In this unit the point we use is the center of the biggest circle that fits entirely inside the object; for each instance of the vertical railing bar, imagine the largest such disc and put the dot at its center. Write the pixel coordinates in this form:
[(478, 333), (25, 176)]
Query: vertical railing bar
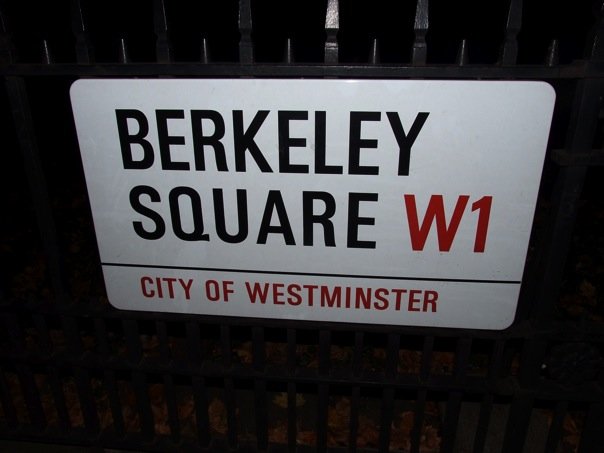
[(24, 126), (163, 50), (246, 45), (30, 392), (518, 421), (354, 418), (496, 361), (357, 355), (392, 348), (114, 402), (462, 53), (162, 336), (553, 53), (231, 408), (172, 407), (59, 398), (15, 333), (592, 436), (426, 357), (225, 344), (201, 410), (10, 413), (46, 53), (291, 391), (450, 423), (418, 421), (556, 426), (143, 404), (124, 56), (260, 395), (291, 350), (509, 52), (419, 54), (88, 405), (7, 50), (374, 53), (205, 51), (83, 46), (386, 417), (133, 342), (44, 342), (69, 325), (100, 332), (322, 417), (324, 351), (332, 25), (289, 51), (194, 342), (484, 418), (291, 416), (462, 358)]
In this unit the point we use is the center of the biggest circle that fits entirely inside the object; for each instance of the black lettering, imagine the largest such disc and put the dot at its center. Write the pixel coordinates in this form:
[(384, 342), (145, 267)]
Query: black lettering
[(356, 143), (165, 139), (405, 141), (310, 218), (197, 233), (127, 139), (354, 220), (241, 217), (135, 202), (320, 167), (200, 141), (274, 202), (286, 142), (244, 141)]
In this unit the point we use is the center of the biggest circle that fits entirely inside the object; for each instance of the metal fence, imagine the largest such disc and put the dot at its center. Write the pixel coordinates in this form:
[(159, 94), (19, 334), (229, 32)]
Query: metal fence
[(74, 370)]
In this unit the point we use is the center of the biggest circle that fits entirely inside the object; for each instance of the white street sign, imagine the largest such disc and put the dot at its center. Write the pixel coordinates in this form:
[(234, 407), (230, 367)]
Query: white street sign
[(363, 201)]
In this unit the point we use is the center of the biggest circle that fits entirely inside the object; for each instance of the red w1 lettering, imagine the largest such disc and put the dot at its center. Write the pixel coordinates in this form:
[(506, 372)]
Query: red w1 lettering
[(445, 232)]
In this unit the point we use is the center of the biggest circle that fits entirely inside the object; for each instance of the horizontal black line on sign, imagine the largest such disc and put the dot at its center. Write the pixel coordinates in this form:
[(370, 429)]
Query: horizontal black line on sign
[(310, 274)]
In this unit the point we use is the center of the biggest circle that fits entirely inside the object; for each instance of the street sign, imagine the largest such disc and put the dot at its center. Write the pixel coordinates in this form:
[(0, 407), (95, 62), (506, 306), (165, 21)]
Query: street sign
[(364, 201)]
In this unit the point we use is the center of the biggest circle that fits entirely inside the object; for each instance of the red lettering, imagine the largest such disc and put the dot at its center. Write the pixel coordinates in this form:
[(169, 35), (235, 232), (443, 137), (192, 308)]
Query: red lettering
[(186, 287), (414, 300), (311, 289), (430, 298), (295, 298), (379, 295), (484, 207), (146, 291), (212, 290), (435, 211), (278, 294), (399, 297), (257, 292)]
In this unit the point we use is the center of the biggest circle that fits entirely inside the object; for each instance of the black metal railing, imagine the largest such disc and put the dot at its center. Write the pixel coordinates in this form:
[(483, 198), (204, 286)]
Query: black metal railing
[(75, 370)]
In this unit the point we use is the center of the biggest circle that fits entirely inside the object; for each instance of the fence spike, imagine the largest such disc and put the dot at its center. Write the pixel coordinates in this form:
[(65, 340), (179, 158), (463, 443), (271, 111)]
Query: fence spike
[(124, 57), (374, 53), (205, 51), (83, 46), (289, 51), (246, 47), (596, 45), (7, 51), (553, 53), (46, 54), (509, 53), (163, 50), (462, 53), (332, 25), (420, 27)]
